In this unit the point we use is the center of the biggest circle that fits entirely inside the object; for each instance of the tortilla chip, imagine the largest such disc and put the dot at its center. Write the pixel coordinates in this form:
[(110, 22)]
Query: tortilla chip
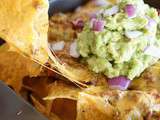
[(24, 25), (14, 67), (95, 90), (61, 90), (91, 107), (84, 75)]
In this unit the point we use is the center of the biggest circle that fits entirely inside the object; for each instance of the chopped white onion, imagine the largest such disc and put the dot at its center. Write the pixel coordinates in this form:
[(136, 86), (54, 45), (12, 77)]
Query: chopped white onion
[(57, 46), (73, 50), (101, 2), (151, 38), (151, 24), (156, 107), (152, 51), (111, 11), (133, 34)]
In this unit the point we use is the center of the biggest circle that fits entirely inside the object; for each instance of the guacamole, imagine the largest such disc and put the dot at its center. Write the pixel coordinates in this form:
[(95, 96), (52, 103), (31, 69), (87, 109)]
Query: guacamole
[(115, 42)]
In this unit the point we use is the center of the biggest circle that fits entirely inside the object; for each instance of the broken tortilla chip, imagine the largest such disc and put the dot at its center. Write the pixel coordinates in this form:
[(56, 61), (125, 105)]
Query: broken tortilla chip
[(14, 67), (59, 89)]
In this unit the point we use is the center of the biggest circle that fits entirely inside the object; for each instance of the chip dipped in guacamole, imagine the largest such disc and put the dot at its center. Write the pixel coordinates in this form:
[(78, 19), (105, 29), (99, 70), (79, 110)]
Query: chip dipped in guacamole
[(121, 39)]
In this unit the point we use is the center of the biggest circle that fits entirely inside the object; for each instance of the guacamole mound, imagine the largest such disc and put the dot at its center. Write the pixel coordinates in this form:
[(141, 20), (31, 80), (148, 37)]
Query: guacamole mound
[(119, 49)]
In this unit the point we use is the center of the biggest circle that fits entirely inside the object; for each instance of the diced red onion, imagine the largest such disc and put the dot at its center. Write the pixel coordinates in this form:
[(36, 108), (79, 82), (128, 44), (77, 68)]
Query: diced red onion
[(78, 23), (120, 83), (133, 34), (57, 46), (97, 25), (111, 11), (152, 51), (130, 9), (101, 2), (73, 50)]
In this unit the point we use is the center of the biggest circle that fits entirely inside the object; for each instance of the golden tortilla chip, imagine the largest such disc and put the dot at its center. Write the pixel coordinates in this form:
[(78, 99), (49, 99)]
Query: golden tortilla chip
[(91, 107), (61, 90), (14, 67), (95, 90), (24, 25)]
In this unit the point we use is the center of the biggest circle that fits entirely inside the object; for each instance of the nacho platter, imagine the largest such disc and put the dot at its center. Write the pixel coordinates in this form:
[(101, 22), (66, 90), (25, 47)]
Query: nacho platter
[(63, 88)]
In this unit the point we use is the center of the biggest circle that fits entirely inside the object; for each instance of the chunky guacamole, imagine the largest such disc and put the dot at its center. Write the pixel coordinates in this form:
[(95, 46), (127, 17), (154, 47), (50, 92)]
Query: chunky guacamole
[(121, 40)]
